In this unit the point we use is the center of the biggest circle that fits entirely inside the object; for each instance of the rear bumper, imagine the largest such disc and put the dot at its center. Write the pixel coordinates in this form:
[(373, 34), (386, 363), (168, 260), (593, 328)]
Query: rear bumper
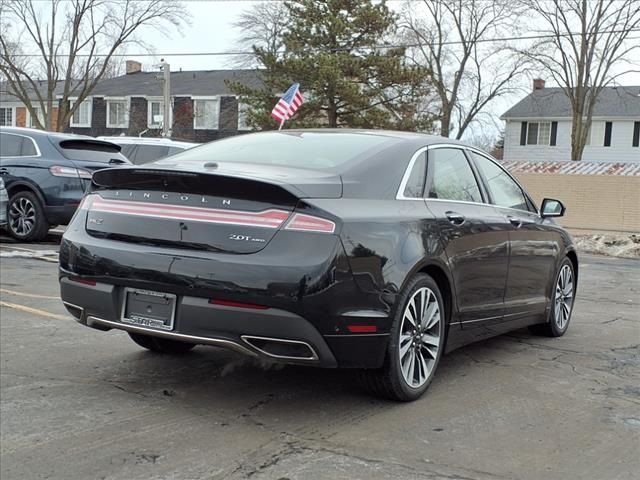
[(197, 321)]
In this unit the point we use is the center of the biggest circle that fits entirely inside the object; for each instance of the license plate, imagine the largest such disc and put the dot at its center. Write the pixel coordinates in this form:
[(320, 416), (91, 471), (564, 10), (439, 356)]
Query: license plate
[(149, 309)]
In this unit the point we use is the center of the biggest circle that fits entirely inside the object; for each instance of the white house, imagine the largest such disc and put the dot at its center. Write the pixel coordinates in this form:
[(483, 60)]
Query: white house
[(539, 126)]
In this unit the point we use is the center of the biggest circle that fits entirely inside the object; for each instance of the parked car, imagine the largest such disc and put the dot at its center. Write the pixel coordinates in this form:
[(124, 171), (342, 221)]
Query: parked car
[(144, 149), (46, 174), (335, 248), (4, 201)]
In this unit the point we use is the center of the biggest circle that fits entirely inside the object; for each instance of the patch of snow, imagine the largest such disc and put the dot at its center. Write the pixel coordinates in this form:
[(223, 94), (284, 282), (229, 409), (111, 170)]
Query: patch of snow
[(621, 245)]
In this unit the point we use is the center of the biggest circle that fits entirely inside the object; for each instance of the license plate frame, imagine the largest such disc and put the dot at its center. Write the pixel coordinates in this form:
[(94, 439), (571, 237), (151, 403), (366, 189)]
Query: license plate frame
[(163, 318)]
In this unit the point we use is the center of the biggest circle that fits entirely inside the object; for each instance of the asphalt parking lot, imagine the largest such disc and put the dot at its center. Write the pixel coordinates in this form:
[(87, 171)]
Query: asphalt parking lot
[(82, 404)]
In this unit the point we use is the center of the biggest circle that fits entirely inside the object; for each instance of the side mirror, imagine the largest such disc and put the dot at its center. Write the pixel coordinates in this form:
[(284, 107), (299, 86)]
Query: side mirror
[(552, 208)]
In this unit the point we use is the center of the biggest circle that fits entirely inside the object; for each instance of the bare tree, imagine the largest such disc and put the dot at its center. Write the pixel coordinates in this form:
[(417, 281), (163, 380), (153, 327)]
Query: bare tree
[(589, 48), (73, 45), (454, 39), (260, 26)]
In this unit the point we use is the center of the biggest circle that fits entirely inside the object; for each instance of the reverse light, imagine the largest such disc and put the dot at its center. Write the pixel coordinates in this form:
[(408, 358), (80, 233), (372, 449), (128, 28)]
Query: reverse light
[(69, 172), (231, 303), (308, 223)]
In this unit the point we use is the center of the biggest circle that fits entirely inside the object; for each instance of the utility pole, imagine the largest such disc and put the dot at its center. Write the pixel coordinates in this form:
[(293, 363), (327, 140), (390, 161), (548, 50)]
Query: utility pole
[(166, 113)]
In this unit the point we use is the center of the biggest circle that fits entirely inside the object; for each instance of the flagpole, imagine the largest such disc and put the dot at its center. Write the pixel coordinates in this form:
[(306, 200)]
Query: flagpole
[(281, 124)]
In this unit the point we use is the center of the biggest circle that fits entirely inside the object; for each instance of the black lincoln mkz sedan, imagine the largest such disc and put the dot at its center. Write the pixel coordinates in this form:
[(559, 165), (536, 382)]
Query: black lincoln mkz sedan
[(336, 248)]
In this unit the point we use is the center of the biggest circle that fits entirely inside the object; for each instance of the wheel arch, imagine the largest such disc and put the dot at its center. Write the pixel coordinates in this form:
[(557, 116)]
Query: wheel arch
[(22, 186), (441, 275), (573, 257)]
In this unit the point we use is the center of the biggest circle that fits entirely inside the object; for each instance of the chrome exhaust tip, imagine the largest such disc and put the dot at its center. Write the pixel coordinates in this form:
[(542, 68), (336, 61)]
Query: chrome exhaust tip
[(281, 348)]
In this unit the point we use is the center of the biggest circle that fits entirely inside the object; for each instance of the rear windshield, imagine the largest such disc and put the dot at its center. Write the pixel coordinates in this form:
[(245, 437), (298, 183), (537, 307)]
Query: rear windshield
[(89, 150), (312, 150)]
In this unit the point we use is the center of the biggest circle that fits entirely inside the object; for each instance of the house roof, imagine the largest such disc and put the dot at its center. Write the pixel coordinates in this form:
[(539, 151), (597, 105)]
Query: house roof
[(196, 83), (6, 96), (554, 103), (149, 84)]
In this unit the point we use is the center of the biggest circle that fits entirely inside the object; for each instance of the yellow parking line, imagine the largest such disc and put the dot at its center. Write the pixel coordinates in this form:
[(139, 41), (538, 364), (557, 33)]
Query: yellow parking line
[(30, 295), (34, 311)]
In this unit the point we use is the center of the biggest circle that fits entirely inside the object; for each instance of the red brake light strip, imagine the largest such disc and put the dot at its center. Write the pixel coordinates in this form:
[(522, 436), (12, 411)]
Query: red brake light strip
[(267, 219)]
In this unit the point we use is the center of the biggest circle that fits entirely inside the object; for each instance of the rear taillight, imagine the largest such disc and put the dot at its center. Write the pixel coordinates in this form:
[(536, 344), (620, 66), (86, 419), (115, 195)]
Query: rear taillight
[(58, 171), (85, 203), (308, 223)]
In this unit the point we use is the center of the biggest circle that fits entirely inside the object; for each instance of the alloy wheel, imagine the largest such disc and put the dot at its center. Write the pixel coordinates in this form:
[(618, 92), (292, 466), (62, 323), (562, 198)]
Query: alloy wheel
[(420, 337), (22, 216), (563, 297)]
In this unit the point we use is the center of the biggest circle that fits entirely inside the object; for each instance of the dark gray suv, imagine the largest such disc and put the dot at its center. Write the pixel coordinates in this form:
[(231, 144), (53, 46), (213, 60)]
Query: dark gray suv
[(46, 174)]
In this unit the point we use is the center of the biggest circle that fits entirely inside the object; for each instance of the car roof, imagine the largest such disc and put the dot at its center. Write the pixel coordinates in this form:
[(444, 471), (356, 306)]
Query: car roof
[(147, 141), (414, 138)]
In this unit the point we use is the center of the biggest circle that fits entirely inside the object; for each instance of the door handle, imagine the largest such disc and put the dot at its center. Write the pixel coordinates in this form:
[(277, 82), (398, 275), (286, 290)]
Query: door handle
[(455, 218), (516, 222)]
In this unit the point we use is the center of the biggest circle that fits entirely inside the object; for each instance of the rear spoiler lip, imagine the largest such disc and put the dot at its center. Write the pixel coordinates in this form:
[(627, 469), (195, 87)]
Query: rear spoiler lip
[(295, 190)]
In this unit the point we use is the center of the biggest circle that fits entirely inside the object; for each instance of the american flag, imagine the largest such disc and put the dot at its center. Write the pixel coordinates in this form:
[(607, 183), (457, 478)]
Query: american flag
[(288, 104)]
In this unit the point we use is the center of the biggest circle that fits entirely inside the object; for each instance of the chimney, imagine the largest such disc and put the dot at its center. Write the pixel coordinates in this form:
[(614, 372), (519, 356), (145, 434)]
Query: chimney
[(538, 83), (133, 67)]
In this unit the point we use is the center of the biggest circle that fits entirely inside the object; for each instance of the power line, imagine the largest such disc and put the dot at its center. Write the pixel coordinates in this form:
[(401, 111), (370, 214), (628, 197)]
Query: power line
[(372, 47)]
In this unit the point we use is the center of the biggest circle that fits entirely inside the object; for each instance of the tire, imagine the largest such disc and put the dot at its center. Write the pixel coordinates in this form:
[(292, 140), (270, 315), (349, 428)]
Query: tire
[(562, 301), (392, 381), (161, 345), (26, 221)]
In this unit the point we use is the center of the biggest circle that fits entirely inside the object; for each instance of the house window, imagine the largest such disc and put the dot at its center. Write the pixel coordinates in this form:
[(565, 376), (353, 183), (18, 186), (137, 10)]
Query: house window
[(82, 116), (6, 116), (243, 110), (155, 111), (596, 136), (205, 114), (117, 113), (538, 133), (32, 118)]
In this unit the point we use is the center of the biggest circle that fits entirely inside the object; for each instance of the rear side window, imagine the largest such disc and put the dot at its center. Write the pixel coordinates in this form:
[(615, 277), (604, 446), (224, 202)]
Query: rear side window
[(89, 150), (174, 150), (414, 187), (504, 191), (127, 150), (451, 176), (149, 153), (16, 146)]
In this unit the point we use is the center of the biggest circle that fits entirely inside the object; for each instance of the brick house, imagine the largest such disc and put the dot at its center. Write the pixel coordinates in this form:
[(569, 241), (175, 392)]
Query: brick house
[(13, 112), (539, 126), (203, 107)]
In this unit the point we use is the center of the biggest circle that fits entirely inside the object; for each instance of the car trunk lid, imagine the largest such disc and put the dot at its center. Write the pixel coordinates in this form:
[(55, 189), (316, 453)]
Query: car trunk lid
[(228, 212)]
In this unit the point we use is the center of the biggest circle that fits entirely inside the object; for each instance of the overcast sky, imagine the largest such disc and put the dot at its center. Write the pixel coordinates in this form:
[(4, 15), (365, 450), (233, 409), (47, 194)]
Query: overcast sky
[(211, 30)]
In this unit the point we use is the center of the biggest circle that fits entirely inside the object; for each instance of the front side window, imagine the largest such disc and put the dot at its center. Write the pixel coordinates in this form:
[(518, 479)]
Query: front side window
[(82, 116), (538, 133), (504, 191), (117, 114), (205, 114), (6, 117), (451, 176)]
